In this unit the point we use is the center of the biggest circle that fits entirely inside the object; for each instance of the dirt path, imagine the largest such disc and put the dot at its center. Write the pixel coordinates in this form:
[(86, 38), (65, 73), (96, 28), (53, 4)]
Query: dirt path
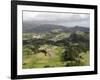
[(51, 53)]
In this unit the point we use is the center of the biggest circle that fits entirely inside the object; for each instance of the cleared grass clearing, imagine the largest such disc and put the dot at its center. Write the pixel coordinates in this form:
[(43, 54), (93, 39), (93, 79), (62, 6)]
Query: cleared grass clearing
[(39, 60)]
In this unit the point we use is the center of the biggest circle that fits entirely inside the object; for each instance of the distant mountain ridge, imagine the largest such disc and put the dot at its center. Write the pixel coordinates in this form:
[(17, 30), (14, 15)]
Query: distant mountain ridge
[(50, 27)]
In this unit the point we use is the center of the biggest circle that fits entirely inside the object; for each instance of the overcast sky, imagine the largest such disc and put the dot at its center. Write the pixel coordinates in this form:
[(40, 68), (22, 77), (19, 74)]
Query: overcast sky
[(65, 19)]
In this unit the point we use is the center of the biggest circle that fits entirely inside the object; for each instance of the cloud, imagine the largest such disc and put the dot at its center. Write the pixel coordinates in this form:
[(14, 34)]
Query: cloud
[(56, 18)]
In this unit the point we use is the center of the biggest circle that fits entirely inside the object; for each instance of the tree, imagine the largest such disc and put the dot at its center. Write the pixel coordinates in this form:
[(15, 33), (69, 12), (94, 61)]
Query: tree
[(70, 54)]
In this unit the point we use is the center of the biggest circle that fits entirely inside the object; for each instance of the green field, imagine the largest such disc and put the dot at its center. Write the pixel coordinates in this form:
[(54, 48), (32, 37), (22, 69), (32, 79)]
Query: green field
[(55, 50), (40, 60)]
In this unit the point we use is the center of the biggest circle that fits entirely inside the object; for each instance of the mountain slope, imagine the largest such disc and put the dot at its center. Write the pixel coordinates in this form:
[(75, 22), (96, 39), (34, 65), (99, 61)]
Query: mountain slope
[(50, 27)]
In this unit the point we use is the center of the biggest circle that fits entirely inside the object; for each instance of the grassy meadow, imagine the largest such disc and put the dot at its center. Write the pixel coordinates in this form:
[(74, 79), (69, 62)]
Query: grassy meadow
[(55, 49)]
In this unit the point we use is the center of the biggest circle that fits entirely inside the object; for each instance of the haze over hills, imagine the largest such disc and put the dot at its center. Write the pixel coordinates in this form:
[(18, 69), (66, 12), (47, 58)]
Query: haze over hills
[(41, 22), (42, 28)]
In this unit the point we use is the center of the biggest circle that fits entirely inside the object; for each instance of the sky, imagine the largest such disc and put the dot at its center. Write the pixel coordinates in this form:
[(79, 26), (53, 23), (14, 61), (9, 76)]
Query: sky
[(65, 19)]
